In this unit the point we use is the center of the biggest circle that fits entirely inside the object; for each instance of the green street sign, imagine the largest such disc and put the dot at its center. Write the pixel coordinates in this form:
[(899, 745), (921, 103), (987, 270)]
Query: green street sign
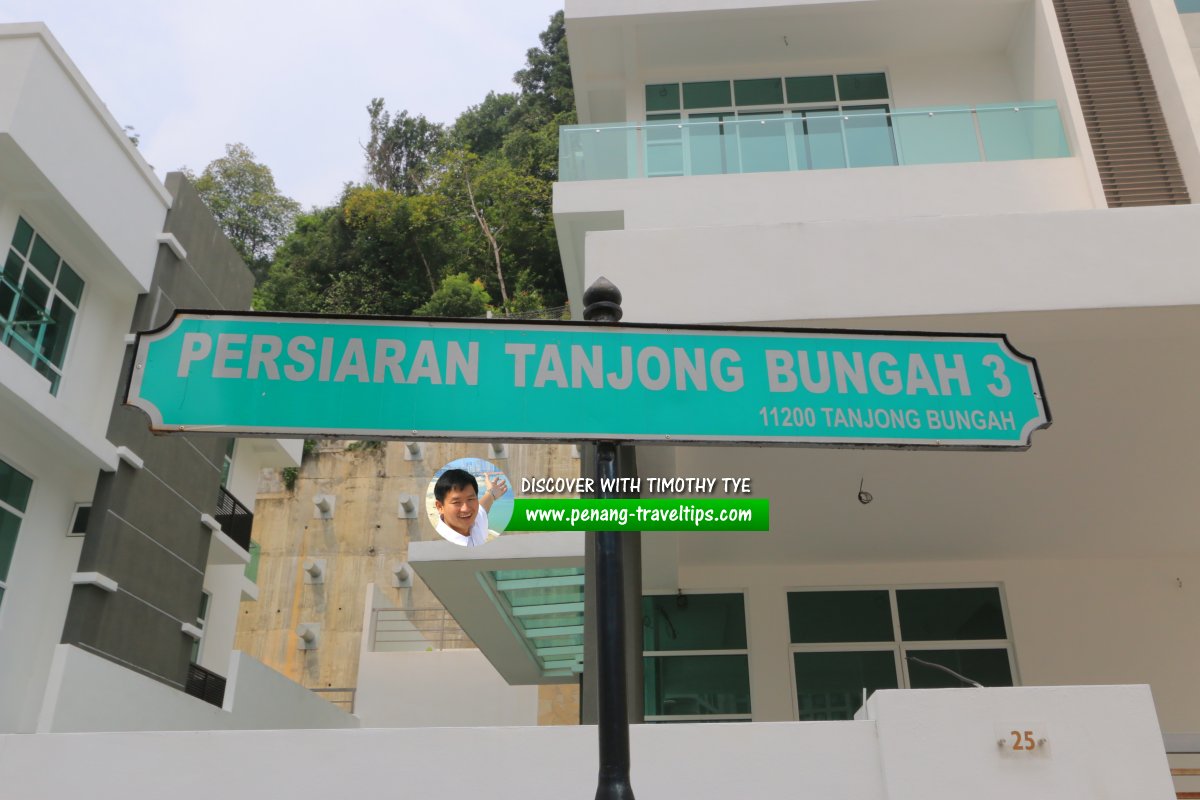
[(476, 380)]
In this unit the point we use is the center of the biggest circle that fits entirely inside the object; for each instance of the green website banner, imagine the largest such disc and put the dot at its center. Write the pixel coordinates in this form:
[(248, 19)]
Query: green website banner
[(483, 380), (646, 514)]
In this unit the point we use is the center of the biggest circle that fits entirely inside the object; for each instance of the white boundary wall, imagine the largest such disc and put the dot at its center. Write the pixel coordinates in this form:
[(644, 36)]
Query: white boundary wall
[(1102, 742)]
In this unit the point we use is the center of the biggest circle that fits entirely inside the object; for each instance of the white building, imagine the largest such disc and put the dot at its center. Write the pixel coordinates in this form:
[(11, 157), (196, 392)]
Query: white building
[(116, 581)]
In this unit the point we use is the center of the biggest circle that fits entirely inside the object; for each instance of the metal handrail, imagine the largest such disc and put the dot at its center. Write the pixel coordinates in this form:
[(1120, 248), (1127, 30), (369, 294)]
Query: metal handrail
[(332, 692), (416, 629)]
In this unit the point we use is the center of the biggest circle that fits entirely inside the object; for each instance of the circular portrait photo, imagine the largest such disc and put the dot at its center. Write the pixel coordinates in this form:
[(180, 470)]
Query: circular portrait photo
[(469, 502)]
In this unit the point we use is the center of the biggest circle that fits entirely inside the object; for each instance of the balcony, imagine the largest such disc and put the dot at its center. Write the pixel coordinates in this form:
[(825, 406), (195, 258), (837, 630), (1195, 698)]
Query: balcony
[(236, 520), (811, 140)]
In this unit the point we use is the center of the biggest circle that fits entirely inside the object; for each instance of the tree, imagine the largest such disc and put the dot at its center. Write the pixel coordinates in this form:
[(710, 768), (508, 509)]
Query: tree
[(546, 80), (458, 296), (253, 213), (482, 128), (401, 149)]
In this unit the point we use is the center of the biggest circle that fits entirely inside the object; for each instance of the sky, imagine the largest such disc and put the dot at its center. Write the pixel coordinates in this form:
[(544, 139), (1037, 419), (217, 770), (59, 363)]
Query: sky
[(290, 79)]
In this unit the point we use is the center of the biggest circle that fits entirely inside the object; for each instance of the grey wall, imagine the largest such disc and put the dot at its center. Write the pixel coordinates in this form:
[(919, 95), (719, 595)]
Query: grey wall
[(145, 531)]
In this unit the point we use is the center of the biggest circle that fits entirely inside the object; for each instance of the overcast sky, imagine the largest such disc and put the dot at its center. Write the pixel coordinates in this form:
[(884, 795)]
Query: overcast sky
[(289, 78)]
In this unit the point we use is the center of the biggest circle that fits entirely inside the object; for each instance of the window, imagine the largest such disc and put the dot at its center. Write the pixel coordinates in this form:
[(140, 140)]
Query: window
[(39, 298), (769, 125), (14, 496), (696, 662), (848, 643), (201, 620)]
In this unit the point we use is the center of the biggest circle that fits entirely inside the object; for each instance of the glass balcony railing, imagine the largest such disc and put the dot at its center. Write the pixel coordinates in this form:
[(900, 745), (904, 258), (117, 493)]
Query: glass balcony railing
[(803, 140)]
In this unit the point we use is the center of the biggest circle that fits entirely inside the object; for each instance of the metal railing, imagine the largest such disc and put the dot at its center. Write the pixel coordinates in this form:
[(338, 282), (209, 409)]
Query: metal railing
[(1183, 745), (806, 139), (342, 697), (416, 630), (236, 520), (206, 685)]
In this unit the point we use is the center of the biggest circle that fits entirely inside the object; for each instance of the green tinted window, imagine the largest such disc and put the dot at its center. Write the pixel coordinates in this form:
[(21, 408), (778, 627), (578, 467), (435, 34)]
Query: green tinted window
[(22, 237), (707, 94), (934, 615), (43, 258), (758, 92), (830, 685), (9, 525), (813, 89), (989, 667), (70, 284), (662, 97), (691, 685), (694, 622), (14, 487), (863, 86), (856, 616), (12, 269)]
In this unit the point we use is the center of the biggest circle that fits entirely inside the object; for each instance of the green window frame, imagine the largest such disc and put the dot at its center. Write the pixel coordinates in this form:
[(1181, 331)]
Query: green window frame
[(847, 643), (696, 660), (40, 296), (15, 488)]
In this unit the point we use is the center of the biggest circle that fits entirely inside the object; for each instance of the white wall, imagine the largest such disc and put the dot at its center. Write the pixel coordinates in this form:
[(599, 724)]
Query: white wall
[(224, 583), (35, 603), (932, 745), (443, 688), (89, 693), (1078, 621), (881, 268)]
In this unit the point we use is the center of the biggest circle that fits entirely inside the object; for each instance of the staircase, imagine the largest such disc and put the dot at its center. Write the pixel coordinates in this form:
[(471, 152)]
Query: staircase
[(1125, 122)]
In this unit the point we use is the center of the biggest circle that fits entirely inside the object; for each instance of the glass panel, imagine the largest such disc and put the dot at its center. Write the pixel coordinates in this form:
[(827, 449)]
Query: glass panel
[(762, 142), (707, 94), (12, 268), (1188, 6), (758, 92), (664, 146), (80, 523), (854, 616), (694, 622), (863, 86), (54, 340), (869, 137), (36, 291), (989, 667), (21, 348), (812, 89), (14, 487), (933, 615), (935, 136), (252, 566), (711, 147), (547, 596), (70, 284), (596, 152), (43, 257), (1022, 131), (550, 620), (687, 685), (662, 97), (830, 685), (22, 236), (9, 525), (8, 296), (521, 574), (558, 641), (825, 144)]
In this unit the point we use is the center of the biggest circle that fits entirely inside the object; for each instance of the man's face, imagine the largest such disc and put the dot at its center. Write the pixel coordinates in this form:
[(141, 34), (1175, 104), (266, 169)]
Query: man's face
[(459, 508)]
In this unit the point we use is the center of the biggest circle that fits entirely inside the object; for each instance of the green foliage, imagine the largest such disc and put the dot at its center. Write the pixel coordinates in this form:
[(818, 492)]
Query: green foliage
[(290, 475), (458, 296), (401, 149), (366, 446), (447, 209), (252, 212)]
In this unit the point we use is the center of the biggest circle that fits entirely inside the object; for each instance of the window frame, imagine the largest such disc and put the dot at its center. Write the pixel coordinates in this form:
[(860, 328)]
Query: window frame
[(793, 117), (671, 718), (56, 296), (20, 515), (899, 646)]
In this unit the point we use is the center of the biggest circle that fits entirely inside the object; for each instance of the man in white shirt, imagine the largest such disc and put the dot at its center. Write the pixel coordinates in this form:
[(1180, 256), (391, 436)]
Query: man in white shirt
[(462, 513)]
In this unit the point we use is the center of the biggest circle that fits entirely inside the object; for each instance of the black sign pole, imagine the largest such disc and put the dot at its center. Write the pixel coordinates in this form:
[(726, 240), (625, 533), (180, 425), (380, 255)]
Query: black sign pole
[(602, 303)]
